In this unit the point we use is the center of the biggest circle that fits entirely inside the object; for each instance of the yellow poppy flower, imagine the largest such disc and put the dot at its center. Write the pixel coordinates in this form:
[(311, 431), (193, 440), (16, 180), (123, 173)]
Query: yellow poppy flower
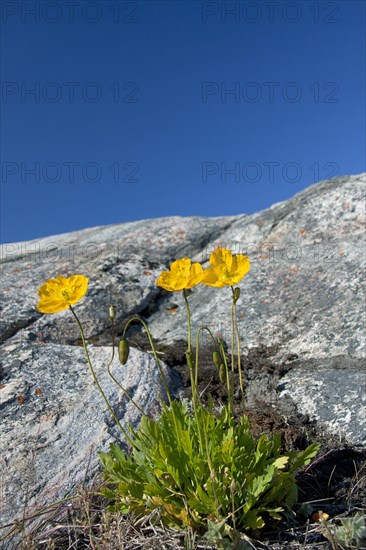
[(59, 293), (182, 274), (225, 269)]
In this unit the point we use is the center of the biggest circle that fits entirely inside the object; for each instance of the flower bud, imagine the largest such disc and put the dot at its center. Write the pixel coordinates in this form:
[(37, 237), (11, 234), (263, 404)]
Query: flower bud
[(222, 373), (216, 358), (112, 313), (189, 358), (123, 351), (236, 294), (232, 487)]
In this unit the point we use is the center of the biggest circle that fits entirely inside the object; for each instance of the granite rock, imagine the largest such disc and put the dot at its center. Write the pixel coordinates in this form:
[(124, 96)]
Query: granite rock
[(302, 306), (332, 394), (54, 420)]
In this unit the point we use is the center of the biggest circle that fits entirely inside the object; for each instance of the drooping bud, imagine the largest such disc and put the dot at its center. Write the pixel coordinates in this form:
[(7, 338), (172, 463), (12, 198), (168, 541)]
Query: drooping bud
[(123, 351), (222, 373), (190, 361), (232, 486), (112, 313), (236, 294), (216, 358)]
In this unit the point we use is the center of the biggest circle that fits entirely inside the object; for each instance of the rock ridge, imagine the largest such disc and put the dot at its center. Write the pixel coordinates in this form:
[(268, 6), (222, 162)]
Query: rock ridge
[(301, 310)]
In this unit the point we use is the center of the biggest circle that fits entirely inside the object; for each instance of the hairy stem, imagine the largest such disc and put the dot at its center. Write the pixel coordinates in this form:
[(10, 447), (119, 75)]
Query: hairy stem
[(197, 349), (227, 374), (164, 380), (238, 349), (189, 320), (96, 379), (115, 380), (232, 349)]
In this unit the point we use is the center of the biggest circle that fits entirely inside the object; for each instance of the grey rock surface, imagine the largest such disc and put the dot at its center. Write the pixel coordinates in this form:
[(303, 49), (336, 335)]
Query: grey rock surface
[(302, 306), (121, 262), (333, 394), (54, 420), (305, 292)]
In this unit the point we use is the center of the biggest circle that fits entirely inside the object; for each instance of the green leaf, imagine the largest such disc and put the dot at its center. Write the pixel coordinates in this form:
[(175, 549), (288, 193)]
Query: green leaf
[(281, 462), (254, 521), (303, 458), (185, 464)]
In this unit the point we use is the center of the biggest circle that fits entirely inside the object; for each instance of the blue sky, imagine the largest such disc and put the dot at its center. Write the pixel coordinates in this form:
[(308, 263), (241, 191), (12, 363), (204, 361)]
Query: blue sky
[(119, 111)]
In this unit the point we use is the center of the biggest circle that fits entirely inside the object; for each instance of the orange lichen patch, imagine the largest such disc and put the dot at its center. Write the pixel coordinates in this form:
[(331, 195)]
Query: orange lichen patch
[(38, 391), (38, 339), (260, 222), (180, 234), (171, 310), (2, 387), (21, 399), (302, 231), (294, 270), (146, 272), (241, 314)]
